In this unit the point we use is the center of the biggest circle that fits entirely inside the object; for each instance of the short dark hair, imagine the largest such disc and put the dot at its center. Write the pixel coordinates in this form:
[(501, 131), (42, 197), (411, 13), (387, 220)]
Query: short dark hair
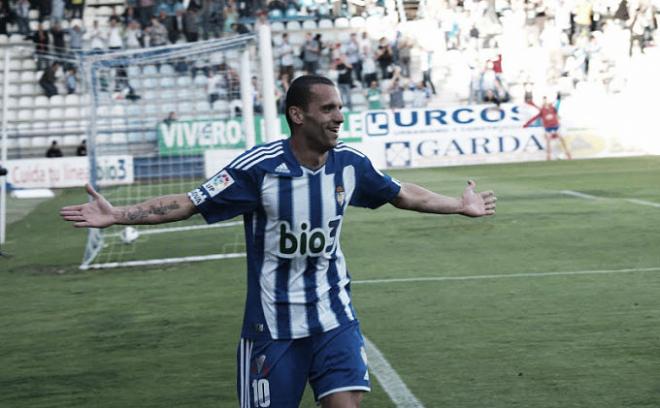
[(300, 92)]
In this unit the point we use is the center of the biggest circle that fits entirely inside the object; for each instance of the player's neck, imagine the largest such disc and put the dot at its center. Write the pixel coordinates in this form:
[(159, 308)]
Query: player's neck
[(306, 155)]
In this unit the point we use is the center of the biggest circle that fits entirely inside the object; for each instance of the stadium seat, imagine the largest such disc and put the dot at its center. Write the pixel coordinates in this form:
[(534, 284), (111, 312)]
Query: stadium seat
[(72, 113), (4, 39), (277, 26), (150, 70), (39, 141), (309, 25), (56, 100), (167, 69), (201, 80), (184, 81), (326, 24), (70, 140), (167, 82), (55, 113), (15, 39), (28, 89), (41, 100), (54, 125), (72, 99), (133, 70), (358, 22), (342, 22), (296, 39), (15, 65), (39, 125), (119, 138), (30, 65), (26, 102), (293, 26), (343, 36), (25, 114), (40, 114)]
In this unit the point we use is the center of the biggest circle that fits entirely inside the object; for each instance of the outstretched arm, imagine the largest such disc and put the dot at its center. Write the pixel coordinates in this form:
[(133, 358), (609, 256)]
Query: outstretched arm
[(99, 213), (471, 203)]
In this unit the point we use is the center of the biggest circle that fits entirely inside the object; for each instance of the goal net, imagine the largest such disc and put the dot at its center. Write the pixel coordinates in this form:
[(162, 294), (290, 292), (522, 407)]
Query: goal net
[(161, 121)]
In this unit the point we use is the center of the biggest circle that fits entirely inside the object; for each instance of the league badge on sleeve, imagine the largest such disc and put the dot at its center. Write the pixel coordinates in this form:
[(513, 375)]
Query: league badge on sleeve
[(340, 195), (218, 183)]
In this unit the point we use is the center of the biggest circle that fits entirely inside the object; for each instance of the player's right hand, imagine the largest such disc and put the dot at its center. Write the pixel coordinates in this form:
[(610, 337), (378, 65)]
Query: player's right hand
[(98, 213)]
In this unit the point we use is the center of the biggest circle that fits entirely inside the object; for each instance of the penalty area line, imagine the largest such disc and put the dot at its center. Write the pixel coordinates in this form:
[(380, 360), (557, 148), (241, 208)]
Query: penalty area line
[(393, 385), (593, 197), (504, 276)]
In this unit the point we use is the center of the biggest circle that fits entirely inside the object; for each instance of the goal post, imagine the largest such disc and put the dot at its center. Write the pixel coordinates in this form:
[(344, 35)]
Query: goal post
[(154, 116)]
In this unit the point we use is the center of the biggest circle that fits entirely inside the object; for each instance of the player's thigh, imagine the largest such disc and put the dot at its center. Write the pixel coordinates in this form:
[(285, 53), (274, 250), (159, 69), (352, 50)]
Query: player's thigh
[(272, 373), (340, 363)]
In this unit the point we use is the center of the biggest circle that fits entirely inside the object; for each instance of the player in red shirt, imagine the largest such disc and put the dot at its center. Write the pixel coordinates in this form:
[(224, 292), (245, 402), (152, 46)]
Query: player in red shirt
[(550, 120)]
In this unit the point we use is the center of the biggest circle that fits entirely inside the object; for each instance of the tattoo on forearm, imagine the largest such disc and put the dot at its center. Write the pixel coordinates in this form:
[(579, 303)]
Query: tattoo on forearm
[(139, 213)]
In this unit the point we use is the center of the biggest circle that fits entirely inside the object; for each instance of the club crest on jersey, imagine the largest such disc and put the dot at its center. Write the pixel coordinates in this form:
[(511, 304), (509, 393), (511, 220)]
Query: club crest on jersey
[(340, 195), (218, 183)]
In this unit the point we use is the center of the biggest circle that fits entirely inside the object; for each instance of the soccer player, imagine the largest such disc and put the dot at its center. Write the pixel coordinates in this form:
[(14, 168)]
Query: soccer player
[(299, 323), (550, 120)]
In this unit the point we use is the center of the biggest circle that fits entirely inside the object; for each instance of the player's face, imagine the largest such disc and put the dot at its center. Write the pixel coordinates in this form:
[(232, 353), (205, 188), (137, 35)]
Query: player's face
[(323, 118)]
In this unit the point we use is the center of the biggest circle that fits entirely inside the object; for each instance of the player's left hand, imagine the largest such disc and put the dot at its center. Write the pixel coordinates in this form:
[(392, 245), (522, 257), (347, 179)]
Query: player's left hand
[(477, 204)]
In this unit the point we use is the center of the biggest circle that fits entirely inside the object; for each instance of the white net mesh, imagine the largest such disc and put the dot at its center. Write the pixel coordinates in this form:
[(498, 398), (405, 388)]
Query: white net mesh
[(154, 115)]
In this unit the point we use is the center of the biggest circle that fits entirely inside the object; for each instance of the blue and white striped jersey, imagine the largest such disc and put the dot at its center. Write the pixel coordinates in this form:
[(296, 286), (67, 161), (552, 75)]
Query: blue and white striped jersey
[(298, 282)]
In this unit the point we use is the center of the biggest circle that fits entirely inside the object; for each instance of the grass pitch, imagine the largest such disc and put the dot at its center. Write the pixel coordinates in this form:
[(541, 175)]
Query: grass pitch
[(161, 337)]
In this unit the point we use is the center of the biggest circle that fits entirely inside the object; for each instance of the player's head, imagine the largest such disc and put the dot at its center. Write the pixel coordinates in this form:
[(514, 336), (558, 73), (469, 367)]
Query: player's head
[(313, 110)]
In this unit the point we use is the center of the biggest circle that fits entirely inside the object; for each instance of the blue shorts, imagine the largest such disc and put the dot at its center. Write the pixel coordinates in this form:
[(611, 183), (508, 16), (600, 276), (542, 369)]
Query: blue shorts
[(278, 370), (552, 130)]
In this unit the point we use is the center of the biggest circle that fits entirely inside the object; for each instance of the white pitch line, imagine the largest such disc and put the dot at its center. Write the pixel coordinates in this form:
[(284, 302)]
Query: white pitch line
[(580, 195), (503, 276), (643, 202), (389, 379)]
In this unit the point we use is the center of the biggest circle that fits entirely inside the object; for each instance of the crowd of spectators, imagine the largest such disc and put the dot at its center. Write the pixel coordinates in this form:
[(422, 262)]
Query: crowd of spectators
[(494, 38)]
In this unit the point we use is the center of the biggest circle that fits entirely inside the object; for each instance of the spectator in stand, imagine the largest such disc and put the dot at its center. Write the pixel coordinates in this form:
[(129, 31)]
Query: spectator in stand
[(145, 12), (54, 150), (75, 38), (230, 15), (23, 17), (214, 85), (384, 58), (81, 150), (354, 56), (257, 99), (170, 26), (369, 74), (77, 8), (171, 118), (97, 38), (70, 80), (59, 44), (282, 87), (311, 54), (5, 13), (41, 46), (190, 23), (115, 41), (48, 79), (285, 51), (427, 69), (133, 36), (421, 95), (344, 81), (405, 48), (157, 33), (396, 94), (57, 11), (374, 97), (44, 8)]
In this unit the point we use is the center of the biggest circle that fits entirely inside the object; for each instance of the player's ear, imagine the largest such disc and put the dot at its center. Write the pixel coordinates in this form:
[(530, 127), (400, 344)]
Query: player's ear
[(296, 114)]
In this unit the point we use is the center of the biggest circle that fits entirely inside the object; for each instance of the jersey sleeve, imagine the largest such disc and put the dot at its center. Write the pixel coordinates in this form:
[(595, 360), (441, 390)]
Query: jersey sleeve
[(227, 194), (373, 188)]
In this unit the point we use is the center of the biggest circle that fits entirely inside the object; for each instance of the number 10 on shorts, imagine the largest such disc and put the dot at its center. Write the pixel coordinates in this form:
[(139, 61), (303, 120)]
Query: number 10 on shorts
[(261, 392)]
